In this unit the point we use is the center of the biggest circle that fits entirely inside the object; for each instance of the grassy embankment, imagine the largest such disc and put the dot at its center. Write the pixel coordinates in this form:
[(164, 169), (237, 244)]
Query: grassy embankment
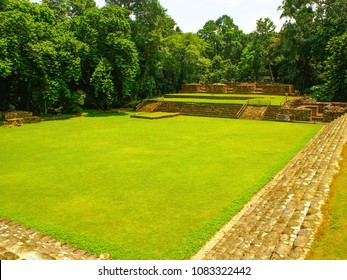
[(332, 239)]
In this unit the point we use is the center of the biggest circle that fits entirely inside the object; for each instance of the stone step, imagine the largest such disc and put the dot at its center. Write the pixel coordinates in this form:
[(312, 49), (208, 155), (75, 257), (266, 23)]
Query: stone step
[(18, 242)]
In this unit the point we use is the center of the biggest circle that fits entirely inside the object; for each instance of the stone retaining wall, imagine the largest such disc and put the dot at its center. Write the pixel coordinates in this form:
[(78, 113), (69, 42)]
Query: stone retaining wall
[(244, 89), (200, 109), (277, 89), (240, 88), (193, 88), (216, 88), (300, 115), (15, 114)]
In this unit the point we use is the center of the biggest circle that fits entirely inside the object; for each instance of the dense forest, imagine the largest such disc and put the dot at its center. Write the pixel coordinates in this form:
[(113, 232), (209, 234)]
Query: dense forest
[(65, 55)]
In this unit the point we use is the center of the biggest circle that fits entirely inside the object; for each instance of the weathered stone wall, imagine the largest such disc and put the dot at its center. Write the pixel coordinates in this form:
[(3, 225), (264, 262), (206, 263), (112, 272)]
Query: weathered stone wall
[(329, 116), (240, 88), (244, 88), (15, 114), (277, 89), (200, 109), (301, 115), (216, 88), (193, 88)]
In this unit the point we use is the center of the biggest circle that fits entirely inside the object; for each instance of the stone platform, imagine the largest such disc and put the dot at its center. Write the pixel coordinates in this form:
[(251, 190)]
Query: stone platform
[(18, 242)]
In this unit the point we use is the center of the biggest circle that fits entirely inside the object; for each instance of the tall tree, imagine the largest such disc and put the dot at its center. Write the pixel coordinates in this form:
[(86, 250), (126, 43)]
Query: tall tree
[(21, 24), (183, 60), (306, 36), (150, 26), (112, 56), (297, 33), (225, 42)]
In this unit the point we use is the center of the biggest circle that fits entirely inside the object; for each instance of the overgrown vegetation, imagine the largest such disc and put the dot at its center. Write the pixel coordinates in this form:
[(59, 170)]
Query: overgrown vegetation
[(64, 55), (139, 189)]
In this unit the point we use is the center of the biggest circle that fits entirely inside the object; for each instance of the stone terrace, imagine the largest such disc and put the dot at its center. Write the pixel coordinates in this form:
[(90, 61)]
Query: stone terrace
[(18, 242), (200, 109), (281, 220)]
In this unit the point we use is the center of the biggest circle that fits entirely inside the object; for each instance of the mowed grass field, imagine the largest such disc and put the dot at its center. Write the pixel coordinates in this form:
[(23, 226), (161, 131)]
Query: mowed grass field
[(139, 189)]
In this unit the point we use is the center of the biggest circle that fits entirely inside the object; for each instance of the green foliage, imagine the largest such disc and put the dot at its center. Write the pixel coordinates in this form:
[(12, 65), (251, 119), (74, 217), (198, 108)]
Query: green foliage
[(112, 60), (334, 72), (48, 55), (149, 29), (103, 83), (3, 4), (225, 43), (183, 61), (306, 38), (53, 55)]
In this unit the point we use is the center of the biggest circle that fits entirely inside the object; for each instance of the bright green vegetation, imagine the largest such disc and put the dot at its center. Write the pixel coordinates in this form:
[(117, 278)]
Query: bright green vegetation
[(65, 56), (254, 98), (332, 244), (139, 189)]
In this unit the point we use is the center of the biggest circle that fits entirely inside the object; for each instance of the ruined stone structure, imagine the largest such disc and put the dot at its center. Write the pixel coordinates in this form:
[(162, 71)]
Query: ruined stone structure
[(17, 118), (240, 88)]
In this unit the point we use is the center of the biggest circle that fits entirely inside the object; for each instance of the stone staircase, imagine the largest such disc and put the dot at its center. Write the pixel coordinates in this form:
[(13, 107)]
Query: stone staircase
[(149, 107), (17, 118), (253, 112), (271, 113), (259, 90), (18, 242), (281, 220), (200, 109)]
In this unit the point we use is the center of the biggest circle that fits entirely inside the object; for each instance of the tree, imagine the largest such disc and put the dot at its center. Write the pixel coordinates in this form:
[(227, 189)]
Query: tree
[(334, 72), (225, 42), (55, 71), (297, 33), (265, 43), (3, 4), (21, 24), (107, 33), (310, 27), (183, 60), (68, 8)]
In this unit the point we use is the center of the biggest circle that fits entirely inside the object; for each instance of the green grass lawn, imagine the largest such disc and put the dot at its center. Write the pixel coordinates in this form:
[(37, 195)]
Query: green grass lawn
[(274, 99), (139, 189), (332, 240)]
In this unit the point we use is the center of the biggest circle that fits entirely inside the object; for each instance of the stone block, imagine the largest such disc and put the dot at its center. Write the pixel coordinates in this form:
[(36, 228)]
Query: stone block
[(301, 241)]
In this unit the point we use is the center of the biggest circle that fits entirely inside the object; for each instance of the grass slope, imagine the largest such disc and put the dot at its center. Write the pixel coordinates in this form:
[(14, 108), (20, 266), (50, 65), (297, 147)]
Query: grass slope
[(332, 240), (139, 189)]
